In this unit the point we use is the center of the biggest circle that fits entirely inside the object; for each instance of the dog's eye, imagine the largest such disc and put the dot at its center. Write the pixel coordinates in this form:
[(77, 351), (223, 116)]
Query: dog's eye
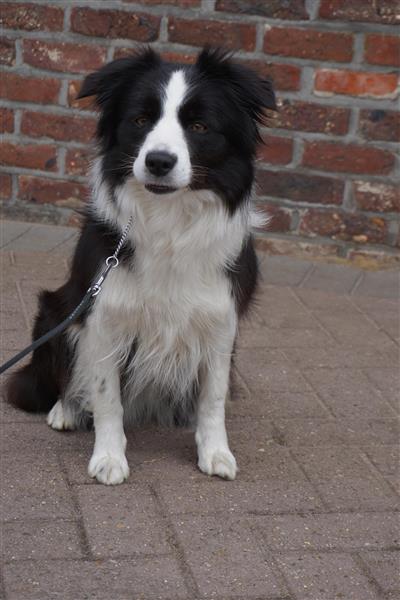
[(198, 127), (141, 121)]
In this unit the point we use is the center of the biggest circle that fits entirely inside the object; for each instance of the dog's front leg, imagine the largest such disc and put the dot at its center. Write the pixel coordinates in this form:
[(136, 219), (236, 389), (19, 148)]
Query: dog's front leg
[(214, 455), (108, 463)]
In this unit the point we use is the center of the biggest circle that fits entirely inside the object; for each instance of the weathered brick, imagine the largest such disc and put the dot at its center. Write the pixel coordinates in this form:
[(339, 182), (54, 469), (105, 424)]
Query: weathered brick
[(73, 58), (115, 24), (77, 161), (355, 83), (279, 219), (308, 43), (380, 125), (344, 226), (377, 197), (300, 187), (275, 9), (29, 89), (58, 127), (31, 17), (180, 3), (73, 89), (5, 186), (275, 150), (308, 116), (59, 192), (7, 51), (382, 50), (29, 156), (284, 77), (179, 57), (200, 32), (350, 158), (383, 11), (6, 120)]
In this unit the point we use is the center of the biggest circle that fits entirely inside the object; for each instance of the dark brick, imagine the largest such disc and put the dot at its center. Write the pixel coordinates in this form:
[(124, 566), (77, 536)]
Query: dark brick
[(29, 89), (284, 77), (382, 50), (308, 43), (31, 17), (380, 125), (6, 121), (179, 3), (61, 56), (377, 197), (58, 127), (299, 187), (7, 51), (77, 161), (275, 150), (279, 219), (344, 226), (307, 116), (5, 186), (384, 11), (29, 156), (115, 24), (200, 32), (275, 9), (349, 158), (54, 191)]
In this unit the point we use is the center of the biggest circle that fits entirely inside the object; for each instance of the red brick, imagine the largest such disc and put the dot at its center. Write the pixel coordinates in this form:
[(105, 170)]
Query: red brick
[(279, 219), (380, 125), (6, 120), (306, 116), (376, 197), (381, 11), (29, 156), (5, 186), (77, 161), (284, 77), (299, 187), (200, 32), (382, 50), (31, 17), (29, 89), (276, 150), (73, 58), (73, 89), (58, 127), (55, 191), (307, 43), (275, 9), (115, 24), (355, 83), (180, 3), (7, 51), (344, 226), (351, 158)]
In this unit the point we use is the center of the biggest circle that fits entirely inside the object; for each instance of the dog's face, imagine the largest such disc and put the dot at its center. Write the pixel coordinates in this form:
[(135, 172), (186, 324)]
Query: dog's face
[(174, 127)]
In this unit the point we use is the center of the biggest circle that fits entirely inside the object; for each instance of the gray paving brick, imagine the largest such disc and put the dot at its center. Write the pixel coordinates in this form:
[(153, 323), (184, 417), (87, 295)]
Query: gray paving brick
[(35, 435), (387, 380), (339, 356), (283, 405), (354, 331), (345, 481), (41, 540), (325, 576), (348, 393), (323, 301), (283, 270), (256, 336), (385, 284), (12, 230), (122, 521), (342, 532), (225, 559), (40, 238), (155, 578), (332, 278), (385, 568)]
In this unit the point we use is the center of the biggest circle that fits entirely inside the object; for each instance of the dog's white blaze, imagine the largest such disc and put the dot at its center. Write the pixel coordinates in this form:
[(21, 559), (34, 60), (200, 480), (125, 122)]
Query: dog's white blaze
[(168, 136)]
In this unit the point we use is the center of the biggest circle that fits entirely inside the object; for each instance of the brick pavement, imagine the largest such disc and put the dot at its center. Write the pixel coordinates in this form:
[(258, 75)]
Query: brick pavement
[(313, 514)]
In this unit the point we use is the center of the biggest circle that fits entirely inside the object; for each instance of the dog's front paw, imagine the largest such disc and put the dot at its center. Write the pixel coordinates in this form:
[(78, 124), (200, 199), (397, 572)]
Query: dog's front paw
[(60, 419), (218, 462), (109, 469)]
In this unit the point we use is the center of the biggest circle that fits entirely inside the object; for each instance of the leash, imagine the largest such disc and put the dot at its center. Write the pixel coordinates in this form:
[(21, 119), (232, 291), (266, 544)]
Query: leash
[(111, 262)]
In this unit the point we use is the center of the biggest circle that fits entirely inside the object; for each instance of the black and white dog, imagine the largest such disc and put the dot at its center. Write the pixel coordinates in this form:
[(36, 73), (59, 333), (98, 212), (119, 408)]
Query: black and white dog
[(176, 147)]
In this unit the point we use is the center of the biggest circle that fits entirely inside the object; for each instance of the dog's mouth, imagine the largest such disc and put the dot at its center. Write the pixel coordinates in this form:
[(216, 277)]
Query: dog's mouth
[(160, 189)]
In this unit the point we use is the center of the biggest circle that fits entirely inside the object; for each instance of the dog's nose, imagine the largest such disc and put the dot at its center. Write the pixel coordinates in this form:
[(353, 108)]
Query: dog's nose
[(160, 163)]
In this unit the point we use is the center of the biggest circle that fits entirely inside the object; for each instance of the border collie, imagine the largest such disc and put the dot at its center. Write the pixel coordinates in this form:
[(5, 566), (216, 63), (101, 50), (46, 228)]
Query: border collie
[(176, 150)]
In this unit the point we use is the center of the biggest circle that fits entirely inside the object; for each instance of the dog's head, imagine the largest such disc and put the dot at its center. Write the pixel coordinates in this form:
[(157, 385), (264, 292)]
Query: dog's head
[(174, 127)]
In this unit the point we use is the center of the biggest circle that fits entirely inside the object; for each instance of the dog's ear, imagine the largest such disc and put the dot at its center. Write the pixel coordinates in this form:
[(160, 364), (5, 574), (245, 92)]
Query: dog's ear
[(105, 83), (249, 90)]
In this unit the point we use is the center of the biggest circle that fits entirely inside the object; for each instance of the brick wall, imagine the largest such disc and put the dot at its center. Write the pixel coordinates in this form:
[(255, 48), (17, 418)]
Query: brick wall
[(328, 170)]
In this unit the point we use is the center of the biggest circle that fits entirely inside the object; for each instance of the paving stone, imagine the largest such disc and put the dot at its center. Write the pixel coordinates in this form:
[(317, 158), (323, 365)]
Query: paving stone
[(259, 337), (284, 405), (385, 284), (31, 436), (332, 278), (283, 270), (387, 380), (12, 230), (326, 576), (41, 540), (345, 481), (338, 356), (154, 578), (40, 238), (34, 487), (354, 331), (348, 393), (342, 532), (225, 559), (385, 568), (323, 301)]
